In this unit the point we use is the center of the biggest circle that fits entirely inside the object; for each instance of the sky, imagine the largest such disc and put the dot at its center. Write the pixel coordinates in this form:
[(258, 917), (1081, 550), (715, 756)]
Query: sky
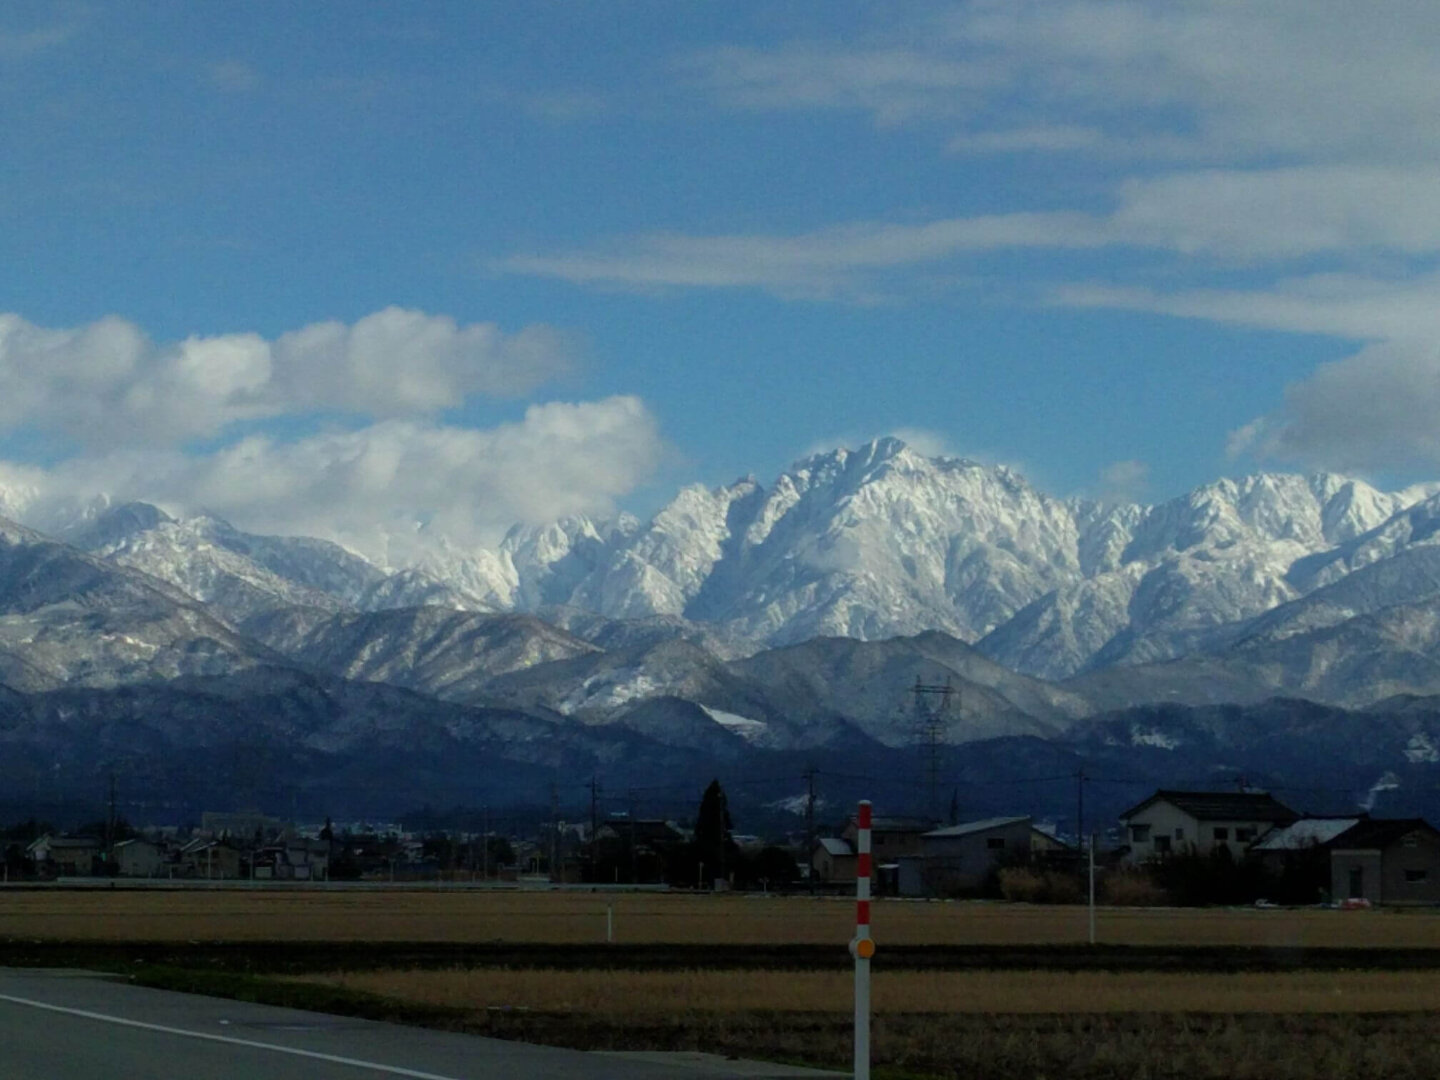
[(389, 272)]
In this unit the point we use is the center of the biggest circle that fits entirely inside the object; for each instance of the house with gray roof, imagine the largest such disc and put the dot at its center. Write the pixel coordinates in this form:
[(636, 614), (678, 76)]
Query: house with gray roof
[(1171, 822), (960, 858), (833, 861)]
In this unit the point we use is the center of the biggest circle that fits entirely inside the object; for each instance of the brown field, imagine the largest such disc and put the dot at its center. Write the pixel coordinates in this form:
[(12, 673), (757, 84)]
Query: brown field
[(575, 917), (980, 1024), (657, 993)]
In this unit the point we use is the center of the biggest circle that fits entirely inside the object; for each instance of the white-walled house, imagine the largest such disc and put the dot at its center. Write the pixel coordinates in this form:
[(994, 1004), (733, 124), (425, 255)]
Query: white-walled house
[(140, 858), (1171, 822)]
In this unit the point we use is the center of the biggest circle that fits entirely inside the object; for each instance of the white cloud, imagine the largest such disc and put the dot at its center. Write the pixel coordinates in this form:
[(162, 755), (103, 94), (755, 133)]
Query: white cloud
[(927, 442), (1325, 79), (1124, 481), (1048, 138), (396, 362), (892, 83), (389, 490), (1348, 305), (1373, 411), (1282, 213), (107, 385), (841, 261), (1225, 217), (233, 76), (391, 487)]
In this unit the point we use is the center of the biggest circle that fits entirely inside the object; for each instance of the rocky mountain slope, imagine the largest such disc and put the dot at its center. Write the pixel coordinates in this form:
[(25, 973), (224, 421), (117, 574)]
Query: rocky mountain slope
[(71, 619)]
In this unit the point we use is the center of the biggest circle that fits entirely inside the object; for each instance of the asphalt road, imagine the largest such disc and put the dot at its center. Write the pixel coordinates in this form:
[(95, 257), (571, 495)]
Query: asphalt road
[(58, 1025)]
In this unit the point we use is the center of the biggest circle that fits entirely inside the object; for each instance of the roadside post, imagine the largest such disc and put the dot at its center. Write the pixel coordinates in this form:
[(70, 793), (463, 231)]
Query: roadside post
[(1092, 888), (862, 948)]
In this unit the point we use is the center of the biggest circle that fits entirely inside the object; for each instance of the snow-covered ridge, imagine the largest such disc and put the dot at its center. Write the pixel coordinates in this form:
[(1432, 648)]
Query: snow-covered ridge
[(868, 543)]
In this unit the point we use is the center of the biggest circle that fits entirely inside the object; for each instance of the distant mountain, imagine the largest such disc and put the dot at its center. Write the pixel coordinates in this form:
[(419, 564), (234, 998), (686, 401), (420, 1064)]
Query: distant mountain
[(867, 544), (71, 619), (742, 624), (299, 743), (240, 575), (450, 654), (1370, 635)]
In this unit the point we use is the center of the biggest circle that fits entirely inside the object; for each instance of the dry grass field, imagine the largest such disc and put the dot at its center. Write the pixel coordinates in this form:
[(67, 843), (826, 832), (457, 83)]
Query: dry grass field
[(579, 917), (983, 1024), (651, 993)]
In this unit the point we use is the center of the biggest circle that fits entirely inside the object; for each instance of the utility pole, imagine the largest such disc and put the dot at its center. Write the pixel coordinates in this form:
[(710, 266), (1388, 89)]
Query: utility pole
[(810, 827), (630, 813), (110, 823), (554, 833), (1079, 807), (594, 826)]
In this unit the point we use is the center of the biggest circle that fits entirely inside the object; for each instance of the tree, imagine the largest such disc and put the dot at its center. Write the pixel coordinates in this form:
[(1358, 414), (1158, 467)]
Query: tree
[(500, 851), (713, 846)]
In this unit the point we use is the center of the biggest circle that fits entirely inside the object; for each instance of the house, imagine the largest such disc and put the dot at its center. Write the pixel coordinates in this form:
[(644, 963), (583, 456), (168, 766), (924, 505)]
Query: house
[(1285, 845), (139, 858), (891, 837), (246, 827), (1170, 822), (292, 859), (833, 861), (960, 858), (64, 856), (1386, 862), (209, 859)]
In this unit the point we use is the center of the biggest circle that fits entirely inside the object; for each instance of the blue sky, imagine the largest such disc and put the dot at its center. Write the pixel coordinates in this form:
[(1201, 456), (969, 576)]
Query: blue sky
[(339, 268)]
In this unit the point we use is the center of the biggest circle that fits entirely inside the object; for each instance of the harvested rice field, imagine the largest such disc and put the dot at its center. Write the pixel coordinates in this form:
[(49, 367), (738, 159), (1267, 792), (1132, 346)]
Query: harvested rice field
[(623, 993), (477, 916), (978, 990)]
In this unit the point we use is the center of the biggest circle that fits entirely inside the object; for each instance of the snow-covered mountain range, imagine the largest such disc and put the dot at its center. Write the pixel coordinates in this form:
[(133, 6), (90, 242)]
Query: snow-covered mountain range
[(750, 618), (866, 544)]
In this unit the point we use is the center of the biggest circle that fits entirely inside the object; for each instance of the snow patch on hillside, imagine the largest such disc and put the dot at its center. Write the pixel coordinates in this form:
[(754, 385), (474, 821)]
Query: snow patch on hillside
[(748, 729)]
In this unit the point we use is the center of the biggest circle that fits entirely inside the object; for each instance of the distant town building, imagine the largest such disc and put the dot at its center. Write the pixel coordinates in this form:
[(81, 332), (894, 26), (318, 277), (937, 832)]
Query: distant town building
[(64, 856), (1386, 862), (961, 858), (833, 861), (1170, 822), (139, 858)]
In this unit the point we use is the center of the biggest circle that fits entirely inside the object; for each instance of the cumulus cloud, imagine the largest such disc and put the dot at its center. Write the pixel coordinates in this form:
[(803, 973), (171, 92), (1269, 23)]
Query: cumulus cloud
[(389, 490), (107, 385), (1124, 481), (1373, 411), (372, 468)]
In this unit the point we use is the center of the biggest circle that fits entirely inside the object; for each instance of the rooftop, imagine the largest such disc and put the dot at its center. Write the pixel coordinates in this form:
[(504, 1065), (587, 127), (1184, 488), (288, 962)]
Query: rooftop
[(1305, 833), (1381, 832), (1221, 805), (977, 826)]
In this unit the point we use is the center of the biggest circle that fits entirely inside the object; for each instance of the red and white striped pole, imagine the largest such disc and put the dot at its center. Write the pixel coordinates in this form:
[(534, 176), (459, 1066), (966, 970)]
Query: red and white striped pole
[(862, 947)]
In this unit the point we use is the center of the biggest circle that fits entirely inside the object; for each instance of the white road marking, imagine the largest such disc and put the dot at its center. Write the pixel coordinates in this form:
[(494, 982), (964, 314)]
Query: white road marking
[(393, 1070)]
